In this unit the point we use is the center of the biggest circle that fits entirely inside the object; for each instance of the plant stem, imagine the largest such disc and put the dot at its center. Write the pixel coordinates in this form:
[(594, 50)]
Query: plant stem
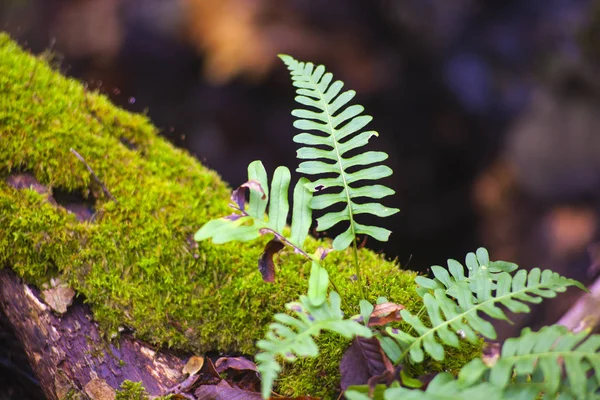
[(340, 293), (357, 269)]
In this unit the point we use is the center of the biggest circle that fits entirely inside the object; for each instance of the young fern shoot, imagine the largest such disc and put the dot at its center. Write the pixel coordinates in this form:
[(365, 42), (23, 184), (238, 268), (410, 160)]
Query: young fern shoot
[(331, 130)]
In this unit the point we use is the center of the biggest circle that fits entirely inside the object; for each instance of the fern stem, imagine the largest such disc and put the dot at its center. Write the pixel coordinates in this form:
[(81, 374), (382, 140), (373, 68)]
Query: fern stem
[(346, 186), (334, 286), (357, 269)]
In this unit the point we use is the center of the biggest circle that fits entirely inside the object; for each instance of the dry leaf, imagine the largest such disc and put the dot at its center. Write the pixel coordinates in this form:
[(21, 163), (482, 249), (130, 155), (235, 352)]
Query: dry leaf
[(223, 391), (363, 360), (59, 296), (236, 363), (265, 262), (384, 313), (491, 353), (238, 196), (194, 365)]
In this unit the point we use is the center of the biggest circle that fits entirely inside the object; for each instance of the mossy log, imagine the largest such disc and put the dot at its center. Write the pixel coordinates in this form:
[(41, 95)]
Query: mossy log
[(113, 217), (69, 355)]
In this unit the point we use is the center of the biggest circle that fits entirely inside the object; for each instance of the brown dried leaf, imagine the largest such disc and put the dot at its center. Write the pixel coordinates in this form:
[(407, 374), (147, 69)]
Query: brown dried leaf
[(208, 374), (385, 313), (225, 392), (236, 363), (363, 360), (194, 365), (58, 297), (265, 262), (183, 387)]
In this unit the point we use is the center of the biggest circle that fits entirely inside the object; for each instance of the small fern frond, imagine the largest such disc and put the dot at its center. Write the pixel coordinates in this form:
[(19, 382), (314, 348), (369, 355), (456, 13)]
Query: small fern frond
[(553, 363), (249, 222), (453, 303), (552, 360), (293, 336), (442, 387), (336, 131), (477, 264)]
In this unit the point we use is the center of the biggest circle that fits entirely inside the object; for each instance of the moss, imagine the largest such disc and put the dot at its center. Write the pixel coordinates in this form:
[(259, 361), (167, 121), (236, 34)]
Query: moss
[(135, 391), (135, 263)]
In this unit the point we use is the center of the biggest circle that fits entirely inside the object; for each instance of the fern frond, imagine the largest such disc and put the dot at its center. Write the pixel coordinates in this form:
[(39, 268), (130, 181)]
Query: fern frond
[(249, 223), (442, 387), (293, 336), (453, 303), (337, 127), (552, 360), (477, 264)]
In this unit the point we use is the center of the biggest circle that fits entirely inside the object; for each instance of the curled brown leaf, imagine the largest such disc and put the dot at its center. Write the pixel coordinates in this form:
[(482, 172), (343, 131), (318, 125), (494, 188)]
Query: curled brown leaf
[(238, 196), (265, 262), (385, 313)]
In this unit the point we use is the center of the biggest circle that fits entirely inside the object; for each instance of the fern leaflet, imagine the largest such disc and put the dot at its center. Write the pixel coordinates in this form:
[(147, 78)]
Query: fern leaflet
[(248, 223), (553, 362), (541, 360), (293, 336), (341, 127), (453, 302), (442, 387)]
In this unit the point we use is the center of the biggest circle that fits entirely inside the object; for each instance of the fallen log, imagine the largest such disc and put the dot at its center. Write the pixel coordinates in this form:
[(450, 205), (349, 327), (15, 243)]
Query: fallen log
[(69, 355)]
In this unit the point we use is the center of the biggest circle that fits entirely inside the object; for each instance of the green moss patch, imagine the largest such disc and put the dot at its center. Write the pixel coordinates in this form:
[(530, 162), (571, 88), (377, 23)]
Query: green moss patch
[(135, 262)]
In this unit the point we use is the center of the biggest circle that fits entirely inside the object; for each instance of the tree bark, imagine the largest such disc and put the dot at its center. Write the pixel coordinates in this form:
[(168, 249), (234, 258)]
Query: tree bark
[(68, 354)]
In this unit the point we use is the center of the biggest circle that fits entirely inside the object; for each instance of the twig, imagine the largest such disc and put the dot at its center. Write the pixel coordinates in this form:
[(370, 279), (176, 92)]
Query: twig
[(585, 313), (102, 185)]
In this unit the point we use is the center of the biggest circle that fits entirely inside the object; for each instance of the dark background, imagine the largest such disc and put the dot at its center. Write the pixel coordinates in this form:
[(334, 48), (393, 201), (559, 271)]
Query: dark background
[(488, 109)]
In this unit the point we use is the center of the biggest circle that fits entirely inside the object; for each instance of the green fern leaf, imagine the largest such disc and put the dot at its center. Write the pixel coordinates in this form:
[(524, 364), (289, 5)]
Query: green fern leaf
[(442, 387), (445, 387), (290, 337), (552, 361), (453, 303), (337, 127), (250, 222)]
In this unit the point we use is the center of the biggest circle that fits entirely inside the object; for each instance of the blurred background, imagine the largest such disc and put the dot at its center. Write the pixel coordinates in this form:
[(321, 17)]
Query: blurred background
[(489, 109)]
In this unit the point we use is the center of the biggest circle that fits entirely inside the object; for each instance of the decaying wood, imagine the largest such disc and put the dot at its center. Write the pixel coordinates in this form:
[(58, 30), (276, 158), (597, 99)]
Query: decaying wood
[(585, 313), (68, 354)]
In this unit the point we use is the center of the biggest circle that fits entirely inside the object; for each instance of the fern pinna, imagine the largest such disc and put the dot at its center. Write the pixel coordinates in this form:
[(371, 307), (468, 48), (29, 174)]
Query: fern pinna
[(454, 300), (335, 132), (527, 366), (553, 363), (290, 336), (248, 223)]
